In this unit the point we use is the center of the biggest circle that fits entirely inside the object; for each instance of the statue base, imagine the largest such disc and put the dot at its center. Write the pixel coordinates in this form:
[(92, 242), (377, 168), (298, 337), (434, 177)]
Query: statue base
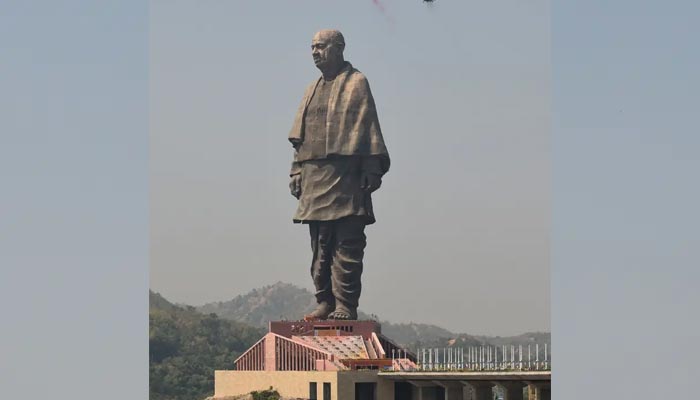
[(329, 345)]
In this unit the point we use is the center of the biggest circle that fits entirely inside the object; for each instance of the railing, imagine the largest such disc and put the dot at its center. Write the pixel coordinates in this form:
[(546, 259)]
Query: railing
[(253, 359), (294, 356), (533, 357)]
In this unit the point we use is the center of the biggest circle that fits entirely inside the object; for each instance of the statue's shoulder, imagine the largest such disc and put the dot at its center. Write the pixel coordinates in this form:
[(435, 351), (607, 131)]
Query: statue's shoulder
[(356, 75), (357, 79)]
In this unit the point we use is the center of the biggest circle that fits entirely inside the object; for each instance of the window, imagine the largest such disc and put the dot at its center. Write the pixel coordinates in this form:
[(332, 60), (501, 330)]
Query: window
[(403, 390), (366, 391), (312, 391), (326, 391)]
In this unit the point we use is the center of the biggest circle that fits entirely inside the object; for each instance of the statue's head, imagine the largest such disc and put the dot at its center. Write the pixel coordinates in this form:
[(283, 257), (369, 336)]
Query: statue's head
[(327, 49)]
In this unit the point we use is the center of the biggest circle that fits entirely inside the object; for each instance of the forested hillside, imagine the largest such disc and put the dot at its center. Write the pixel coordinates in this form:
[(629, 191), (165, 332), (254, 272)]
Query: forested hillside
[(186, 346), (285, 301)]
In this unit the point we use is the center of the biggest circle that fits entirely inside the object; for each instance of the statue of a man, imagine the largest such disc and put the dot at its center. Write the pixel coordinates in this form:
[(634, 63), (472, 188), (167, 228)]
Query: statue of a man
[(339, 160)]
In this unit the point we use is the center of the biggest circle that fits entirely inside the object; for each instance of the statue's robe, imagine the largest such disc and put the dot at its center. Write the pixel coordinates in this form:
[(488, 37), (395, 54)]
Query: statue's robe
[(336, 137)]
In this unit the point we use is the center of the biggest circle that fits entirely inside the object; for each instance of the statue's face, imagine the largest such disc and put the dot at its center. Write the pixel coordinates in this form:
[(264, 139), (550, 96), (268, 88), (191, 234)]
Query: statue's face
[(324, 51)]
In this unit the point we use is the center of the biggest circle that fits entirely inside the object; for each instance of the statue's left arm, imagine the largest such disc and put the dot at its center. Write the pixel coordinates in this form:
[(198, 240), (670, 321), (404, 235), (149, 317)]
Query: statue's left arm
[(371, 169), (373, 166)]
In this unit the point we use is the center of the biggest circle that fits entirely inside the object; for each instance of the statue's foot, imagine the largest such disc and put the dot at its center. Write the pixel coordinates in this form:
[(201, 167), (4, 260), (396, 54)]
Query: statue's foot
[(343, 313), (323, 310)]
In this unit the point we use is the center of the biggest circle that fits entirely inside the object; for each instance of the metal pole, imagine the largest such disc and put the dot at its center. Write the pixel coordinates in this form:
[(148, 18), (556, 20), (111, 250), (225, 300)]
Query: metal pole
[(495, 357), (488, 357), (483, 351), (449, 358), (503, 357), (456, 358), (494, 361), (481, 358), (422, 356), (520, 355)]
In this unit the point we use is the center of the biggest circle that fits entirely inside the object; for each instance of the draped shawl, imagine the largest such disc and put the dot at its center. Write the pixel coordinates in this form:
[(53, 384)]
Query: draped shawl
[(352, 125)]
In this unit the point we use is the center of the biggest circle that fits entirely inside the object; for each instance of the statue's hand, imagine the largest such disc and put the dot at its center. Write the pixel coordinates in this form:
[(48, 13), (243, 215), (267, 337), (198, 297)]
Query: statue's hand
[(295, 185), (370, 182)]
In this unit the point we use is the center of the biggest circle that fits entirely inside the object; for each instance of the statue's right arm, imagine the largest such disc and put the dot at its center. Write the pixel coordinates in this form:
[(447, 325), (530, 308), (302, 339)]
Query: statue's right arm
[(296, 138), (296, 169), (295, 181), (295, 186)]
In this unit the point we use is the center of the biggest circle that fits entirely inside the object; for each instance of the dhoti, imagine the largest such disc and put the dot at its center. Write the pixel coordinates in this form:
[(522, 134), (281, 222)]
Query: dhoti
[(338, 247)]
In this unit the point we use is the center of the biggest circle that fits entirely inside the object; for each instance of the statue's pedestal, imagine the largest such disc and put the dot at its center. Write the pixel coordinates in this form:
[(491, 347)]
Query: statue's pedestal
[(323, 346), (326, 328)]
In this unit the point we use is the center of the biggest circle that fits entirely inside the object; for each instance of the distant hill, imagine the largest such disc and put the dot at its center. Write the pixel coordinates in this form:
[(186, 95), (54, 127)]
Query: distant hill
[(186, 346), (156, 302), (524, 339), (286, 301), (259, 306), (410, 333), (466, 340)]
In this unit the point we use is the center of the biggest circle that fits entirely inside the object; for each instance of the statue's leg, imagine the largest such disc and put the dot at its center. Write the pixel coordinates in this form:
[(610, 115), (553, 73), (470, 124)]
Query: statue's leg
[(322, 248), (346, 268)]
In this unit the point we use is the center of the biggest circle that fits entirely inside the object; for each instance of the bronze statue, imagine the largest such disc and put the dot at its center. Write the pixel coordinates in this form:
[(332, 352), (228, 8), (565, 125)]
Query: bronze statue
[(339, 160)]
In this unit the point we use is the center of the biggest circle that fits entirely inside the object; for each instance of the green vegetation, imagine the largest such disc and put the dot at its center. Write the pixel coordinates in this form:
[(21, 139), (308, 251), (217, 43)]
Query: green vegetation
[(285, 301), (269, 394), (185, 347)]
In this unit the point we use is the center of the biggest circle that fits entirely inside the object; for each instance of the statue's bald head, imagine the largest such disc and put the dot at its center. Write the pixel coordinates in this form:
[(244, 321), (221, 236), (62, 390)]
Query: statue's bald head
[(327, 48), (333, 36)]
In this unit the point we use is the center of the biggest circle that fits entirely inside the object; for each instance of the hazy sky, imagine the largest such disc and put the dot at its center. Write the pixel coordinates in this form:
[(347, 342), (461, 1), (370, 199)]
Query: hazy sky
[(462, 90), (625, 221)]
